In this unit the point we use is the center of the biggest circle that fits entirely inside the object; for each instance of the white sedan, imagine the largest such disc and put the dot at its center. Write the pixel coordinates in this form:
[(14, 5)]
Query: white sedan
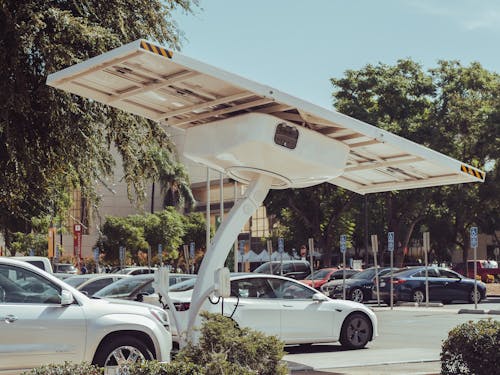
[(276, 305)]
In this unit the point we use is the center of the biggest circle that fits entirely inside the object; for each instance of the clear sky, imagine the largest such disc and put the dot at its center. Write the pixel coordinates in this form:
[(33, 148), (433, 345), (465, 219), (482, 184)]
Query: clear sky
[(297, 46)]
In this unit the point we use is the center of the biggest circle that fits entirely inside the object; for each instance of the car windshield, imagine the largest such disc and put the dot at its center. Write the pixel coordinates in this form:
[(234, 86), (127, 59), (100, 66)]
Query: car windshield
[(122, 288), (183, 285), (268, 268), (66, 267), (75, 281), (366, 274), (319, 274)]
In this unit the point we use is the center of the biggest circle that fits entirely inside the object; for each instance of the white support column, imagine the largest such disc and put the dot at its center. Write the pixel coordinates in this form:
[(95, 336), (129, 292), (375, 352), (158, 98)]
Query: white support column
[(223, 242), (208, 211)]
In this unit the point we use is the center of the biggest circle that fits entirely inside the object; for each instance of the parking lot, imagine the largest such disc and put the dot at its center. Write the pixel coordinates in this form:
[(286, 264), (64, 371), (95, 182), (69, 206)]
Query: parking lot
[(409, 342)]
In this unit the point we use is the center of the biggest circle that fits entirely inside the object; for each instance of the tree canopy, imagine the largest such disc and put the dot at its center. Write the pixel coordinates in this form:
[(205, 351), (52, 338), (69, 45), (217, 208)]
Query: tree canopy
[(52, 141), (453, 109)]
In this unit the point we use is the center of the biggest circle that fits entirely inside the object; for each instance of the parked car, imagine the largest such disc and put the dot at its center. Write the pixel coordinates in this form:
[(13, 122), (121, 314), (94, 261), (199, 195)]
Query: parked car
[(64, 268), (136, 287), (56, 323), (91, 283), (358, 287), (276, 305), (483, 269), (444, 285), (295, 269), (324, 275), (139, 270), (41, 262)]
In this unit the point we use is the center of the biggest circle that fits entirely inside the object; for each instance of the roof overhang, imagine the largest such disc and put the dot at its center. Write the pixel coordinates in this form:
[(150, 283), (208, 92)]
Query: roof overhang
[(148, 80)]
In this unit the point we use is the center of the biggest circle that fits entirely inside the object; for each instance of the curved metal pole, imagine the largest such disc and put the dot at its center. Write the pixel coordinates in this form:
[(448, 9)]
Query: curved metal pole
[(223, 242)]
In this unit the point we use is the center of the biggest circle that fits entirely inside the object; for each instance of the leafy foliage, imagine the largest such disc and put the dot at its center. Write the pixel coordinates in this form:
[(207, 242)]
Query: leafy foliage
[(224, 348), (472, 348), (51, 141), (452, 109), (139, 232), (66, 369)]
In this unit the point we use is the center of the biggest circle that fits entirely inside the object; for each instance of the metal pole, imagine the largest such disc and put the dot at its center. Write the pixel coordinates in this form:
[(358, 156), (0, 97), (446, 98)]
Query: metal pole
[(475, 277), (208, 210), (311, 249), (235, 193), (427, 245), (392, 273), (366, 231), (343, 275), (221, 197), (375, 251)]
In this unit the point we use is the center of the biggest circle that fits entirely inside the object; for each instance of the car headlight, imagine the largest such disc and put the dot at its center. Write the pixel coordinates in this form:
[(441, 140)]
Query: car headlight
[(161, 316)]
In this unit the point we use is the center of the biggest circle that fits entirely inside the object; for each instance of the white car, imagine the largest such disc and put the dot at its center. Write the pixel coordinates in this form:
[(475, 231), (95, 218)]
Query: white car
[(276, 305), (91, 283), (43, 320)]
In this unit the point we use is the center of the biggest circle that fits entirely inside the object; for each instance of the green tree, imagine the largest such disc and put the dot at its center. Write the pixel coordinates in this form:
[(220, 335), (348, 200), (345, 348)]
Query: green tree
[(119, 231), (465, 116), (52, 141), (140, 232), (314, 212), (452, 109)]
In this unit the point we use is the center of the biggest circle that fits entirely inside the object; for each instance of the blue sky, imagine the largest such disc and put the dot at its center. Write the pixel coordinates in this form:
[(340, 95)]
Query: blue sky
[(297, 46)]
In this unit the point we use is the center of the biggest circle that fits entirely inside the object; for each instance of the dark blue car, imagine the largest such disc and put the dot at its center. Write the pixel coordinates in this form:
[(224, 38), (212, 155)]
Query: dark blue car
[(444, 286)]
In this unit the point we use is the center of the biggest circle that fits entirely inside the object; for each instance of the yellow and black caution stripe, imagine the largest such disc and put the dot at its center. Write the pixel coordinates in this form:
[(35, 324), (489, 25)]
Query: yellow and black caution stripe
[(472, 171), (156, 49)]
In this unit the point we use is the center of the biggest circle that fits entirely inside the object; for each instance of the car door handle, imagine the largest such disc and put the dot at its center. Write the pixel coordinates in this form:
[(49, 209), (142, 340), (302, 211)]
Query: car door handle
[(9, 318), (287, 306)]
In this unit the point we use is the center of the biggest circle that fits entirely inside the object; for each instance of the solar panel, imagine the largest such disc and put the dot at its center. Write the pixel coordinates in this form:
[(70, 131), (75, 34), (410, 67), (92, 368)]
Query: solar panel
[(149, 80)]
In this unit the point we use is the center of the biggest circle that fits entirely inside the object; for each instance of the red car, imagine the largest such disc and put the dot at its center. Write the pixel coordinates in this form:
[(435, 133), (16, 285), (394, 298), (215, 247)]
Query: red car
[(319, 277)]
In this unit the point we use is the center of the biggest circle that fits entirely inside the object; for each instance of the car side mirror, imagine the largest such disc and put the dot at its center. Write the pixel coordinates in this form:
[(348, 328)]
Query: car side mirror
[(66, 298), (319, 297)]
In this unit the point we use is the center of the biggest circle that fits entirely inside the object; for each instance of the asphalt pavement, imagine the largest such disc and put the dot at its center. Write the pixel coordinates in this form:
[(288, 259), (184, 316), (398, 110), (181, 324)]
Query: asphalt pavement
[(409, 342)]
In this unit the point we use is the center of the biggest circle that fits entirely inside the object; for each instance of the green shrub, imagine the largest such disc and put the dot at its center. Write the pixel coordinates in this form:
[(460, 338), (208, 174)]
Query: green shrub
[(472, 348), (224, 348), (157, 368), (66, 369)]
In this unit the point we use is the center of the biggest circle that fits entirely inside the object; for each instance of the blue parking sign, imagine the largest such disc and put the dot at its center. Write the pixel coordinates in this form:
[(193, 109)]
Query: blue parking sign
[(390, 241), (343, 243), (281, 244), (473, 237)]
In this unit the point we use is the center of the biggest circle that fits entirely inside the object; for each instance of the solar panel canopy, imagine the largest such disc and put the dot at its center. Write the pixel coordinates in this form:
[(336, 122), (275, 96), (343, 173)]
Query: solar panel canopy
[(149, 80)]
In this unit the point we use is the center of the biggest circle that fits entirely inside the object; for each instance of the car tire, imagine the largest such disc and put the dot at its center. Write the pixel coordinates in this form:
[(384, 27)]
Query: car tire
[(357, 295), (356, 331), (418, 296), (471, 296), (121, 349)]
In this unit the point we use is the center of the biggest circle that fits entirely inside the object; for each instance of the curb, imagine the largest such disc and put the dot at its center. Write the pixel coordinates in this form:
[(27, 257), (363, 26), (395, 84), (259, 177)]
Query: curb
[(423, 304), (480, 312)]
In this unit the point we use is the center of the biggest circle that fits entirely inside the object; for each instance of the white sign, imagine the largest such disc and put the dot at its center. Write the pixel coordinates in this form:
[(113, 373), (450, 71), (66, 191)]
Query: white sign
[(473, 237), (390, 241)]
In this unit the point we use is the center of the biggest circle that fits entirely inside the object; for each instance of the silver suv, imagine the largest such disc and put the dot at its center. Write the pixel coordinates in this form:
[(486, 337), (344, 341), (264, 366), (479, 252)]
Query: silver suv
[(43, 320)]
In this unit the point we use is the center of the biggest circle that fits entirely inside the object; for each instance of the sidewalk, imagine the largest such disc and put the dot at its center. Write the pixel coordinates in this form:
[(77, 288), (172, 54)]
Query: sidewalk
[(417, 368)]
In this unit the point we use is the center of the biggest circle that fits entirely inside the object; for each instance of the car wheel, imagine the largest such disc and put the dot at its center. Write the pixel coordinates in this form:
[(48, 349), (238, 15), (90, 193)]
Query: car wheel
[(471, 296), (357, 295), (356, 331), (121, 350), (418, 296)]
